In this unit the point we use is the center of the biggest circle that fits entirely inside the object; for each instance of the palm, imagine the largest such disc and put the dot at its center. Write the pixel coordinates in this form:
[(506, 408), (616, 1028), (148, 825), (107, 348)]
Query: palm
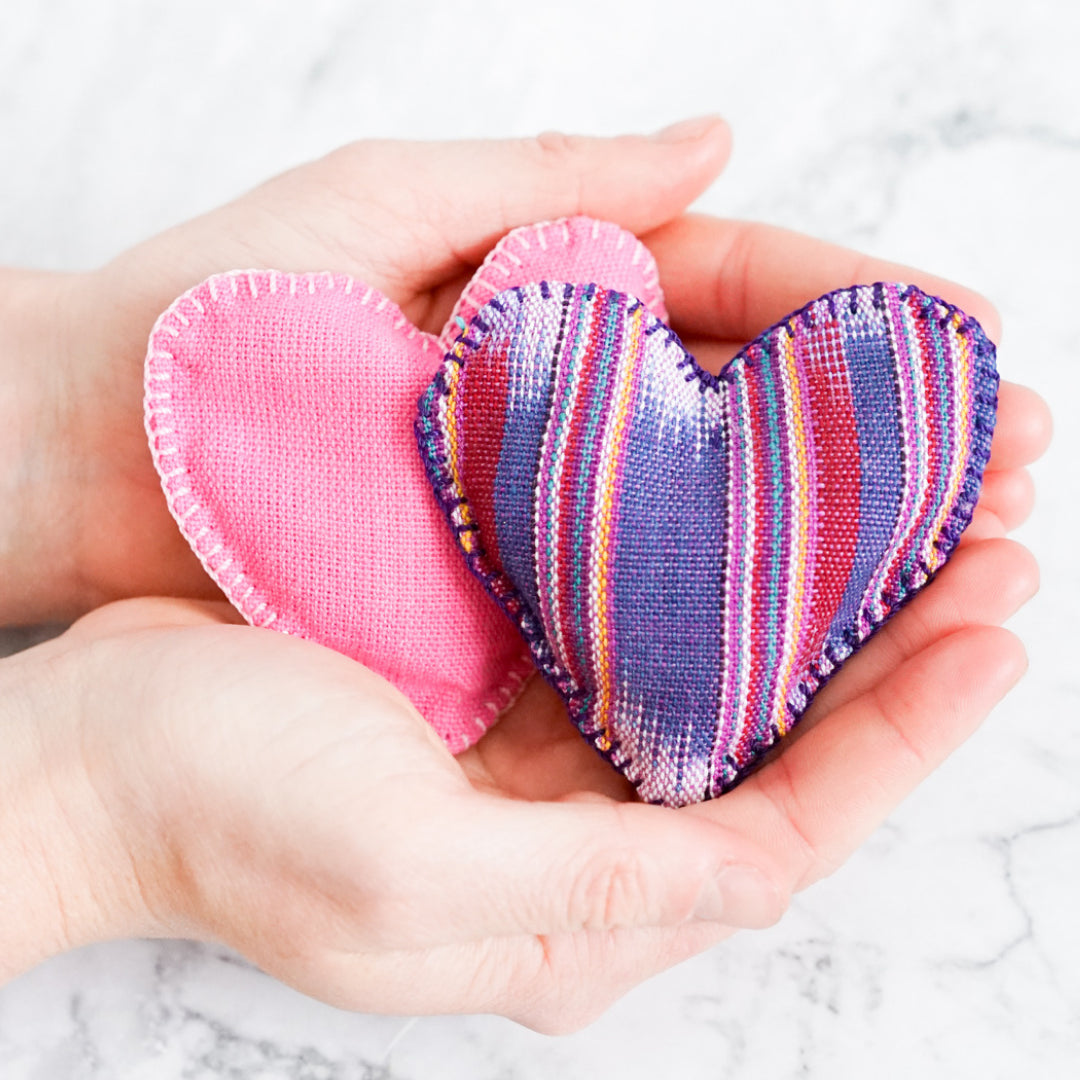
[(534, 752), (288, 748)]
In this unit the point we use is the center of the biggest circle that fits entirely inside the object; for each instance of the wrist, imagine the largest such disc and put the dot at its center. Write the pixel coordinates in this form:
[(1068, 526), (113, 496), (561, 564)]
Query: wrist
[(68, 876), (37, 402)]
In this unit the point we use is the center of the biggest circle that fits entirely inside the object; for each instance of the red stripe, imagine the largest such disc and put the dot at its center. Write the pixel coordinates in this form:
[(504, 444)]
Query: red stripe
[(835, 446), (481, 411), (934, 417)]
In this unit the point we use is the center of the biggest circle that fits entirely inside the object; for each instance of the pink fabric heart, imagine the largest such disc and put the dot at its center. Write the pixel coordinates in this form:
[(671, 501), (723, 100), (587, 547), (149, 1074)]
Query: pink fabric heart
[(279, 409)]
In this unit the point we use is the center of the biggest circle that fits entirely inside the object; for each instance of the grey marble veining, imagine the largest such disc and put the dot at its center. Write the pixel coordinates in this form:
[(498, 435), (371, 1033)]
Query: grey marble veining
[(944, 134)]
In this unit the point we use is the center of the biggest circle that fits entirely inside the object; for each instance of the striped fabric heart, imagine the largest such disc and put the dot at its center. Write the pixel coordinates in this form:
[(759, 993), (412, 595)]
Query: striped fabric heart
[(691, 557)]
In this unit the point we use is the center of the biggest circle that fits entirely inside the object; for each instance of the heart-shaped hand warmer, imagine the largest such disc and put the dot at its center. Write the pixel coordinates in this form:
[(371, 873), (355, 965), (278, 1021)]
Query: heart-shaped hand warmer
[(691, 557), (280, 413)]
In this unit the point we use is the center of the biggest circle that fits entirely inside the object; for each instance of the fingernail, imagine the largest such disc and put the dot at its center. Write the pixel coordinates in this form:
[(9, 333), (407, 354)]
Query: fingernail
[(740, 895), (686, 130)]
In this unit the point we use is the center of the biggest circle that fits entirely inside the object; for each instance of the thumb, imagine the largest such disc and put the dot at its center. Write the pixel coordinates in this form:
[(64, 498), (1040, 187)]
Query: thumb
[(505, 867), (407, 216), (471, 193)]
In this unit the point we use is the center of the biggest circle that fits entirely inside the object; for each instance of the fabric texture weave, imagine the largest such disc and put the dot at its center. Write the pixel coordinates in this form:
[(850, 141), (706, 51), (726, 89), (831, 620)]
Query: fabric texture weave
[(691, 557), (280, 409)]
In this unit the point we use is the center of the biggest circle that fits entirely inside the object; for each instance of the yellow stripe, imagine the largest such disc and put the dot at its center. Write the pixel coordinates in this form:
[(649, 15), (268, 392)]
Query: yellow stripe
[(602, 558), (466, 539), (798, 555), (961, 411)]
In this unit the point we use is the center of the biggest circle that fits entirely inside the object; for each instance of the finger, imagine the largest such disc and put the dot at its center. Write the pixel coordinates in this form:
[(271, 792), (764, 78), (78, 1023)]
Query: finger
[(1009, 494), (486, 866), (463, 196), (150, 612), (535, 752), (564, 982), (553, 984), (819, 799), (1024, 427), (712, 354), (984, 525), (584, 975), (733, 279), (982, 585)]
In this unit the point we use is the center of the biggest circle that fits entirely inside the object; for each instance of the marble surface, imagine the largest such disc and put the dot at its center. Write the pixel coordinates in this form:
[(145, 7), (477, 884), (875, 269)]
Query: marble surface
[(940, 132)]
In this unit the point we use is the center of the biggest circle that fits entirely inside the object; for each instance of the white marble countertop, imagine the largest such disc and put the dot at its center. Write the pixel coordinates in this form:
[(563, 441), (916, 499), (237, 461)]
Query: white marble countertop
[(944, 133)]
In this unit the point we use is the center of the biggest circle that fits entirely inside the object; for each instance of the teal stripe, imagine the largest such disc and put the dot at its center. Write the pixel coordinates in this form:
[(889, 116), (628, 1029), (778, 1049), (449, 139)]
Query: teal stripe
[(557, 447), (764, 369), (590, 446)]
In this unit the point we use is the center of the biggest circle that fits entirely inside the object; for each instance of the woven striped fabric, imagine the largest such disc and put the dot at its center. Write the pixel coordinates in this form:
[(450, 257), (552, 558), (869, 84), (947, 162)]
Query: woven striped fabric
[(691, 557)]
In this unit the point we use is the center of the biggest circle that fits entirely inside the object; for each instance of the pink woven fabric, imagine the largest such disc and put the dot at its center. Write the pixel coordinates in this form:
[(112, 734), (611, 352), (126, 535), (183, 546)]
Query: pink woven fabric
[(280, 408)]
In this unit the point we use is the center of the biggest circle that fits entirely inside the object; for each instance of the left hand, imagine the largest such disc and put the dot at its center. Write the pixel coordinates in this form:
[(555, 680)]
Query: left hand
[(83, 520), (167, 773)]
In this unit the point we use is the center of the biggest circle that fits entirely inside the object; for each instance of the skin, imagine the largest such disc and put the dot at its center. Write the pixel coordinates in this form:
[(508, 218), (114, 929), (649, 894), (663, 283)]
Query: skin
[(170, 772)]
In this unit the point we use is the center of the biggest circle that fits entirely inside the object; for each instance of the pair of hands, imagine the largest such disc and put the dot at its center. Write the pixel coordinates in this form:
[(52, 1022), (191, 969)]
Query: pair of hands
[(172, 773)]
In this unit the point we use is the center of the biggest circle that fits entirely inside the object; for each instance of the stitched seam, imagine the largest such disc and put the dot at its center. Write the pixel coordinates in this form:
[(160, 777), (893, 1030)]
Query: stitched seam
[(985, 381), (503, 260), (261, 284), (501, 588), (498, 585)]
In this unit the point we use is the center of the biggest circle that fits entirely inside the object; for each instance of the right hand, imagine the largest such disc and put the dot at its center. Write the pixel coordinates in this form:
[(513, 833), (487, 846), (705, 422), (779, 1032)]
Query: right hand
[(84, 518)]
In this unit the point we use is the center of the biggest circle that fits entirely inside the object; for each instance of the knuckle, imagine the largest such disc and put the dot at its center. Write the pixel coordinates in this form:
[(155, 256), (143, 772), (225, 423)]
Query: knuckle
[(555, 148), (616, 890), (777, 786)]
